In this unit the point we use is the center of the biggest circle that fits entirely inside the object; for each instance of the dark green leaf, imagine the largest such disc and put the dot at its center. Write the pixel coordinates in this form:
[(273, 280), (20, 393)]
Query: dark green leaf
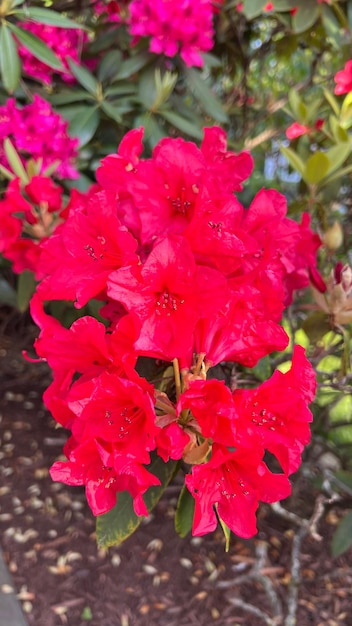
[(345, 478), (7, 293), (9, 60), (184, 512), (111, 111), (342, 538), (305, 17), (25, 289), (47, 16), (109, 65), (252, 8), (84, 77), (316, 326), (262, 370), (132, 65), (84, 123), (208, 101), (119, 523), (67, 97), (36, 46), (120, 90), (181, 123)]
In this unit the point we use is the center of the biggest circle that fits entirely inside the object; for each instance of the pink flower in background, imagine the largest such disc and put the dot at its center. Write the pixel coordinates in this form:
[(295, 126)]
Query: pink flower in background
[(343, 79), (38, 133), (175, 26), (297, 130), (111, 10), (65, 43)]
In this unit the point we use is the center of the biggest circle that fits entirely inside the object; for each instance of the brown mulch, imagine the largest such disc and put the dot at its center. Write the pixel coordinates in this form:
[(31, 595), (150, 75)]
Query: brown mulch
[(154, 578)]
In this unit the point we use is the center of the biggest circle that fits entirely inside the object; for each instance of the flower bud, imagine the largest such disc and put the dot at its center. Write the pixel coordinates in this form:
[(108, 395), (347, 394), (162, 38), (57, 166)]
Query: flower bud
[(333, 237)]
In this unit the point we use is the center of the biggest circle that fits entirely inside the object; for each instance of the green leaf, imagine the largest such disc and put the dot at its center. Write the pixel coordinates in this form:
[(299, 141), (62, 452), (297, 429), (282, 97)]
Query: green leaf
[(332, 101), (262, 370), (25, 289), (208, 101), (36, 46), (67, 97), (184, 512), (294, 160), (9, 60), (7, 293), (227, 533), (14, 161), (109, 65), (119, 523), (345, 478), (120, 90), (340, 134), (316, 168), (346, 111), (316, 326), (84, 123), (305, 17), (297, 106), (338, 175), (342, 538), (132, 65), (84, 77), (184, 125), (337, 155), (47, 16), (111, 111), (252, 8)]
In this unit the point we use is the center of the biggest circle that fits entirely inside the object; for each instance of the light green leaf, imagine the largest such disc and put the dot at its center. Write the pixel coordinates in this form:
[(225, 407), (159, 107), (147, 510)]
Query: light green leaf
[(305, 17), (294, 160), (297, 106), (14, 161), (84, 123), (181, 123), (47, 16), (252, 8), (340, 134), (208, 101), (36, 46), (84, 77), (119, 523), (316, 168), (332, 101), (337, 155), (9, 60), (227, 533), (184, 512), (342, 538)]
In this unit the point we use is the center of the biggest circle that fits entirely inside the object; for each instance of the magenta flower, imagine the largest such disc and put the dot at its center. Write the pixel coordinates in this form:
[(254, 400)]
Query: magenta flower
[(343, 79), (175, 26)]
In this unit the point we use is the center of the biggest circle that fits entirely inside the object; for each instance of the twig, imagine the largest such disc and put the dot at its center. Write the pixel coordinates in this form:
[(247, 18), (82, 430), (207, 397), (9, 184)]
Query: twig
[(254, 610)]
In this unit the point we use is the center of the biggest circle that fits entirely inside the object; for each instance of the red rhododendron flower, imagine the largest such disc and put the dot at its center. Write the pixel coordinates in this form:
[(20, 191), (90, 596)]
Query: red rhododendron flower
[(343, 79), (235, 482)]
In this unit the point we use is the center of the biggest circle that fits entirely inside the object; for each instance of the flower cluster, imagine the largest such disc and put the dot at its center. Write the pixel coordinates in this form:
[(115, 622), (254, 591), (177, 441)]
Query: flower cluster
[(174, 26), (37, 132), (187, 276), (27, 217), (65, 43)]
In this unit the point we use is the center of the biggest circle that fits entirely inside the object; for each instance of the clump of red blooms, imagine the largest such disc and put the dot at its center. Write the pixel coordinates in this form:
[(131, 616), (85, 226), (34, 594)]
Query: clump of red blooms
[(343, 79), (36, 131), (65, 44), (186, 276)]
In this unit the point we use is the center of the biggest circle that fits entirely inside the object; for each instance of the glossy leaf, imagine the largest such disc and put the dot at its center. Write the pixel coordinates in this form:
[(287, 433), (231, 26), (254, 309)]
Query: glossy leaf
[(25, 289), (119, 523), (14, 161), (184, 512), (47, 16), (181, 123), (84, 77), (208, 101), (342, 538), (294, 160), (84, 123), (9, 60), (316, 168), (36, 46)]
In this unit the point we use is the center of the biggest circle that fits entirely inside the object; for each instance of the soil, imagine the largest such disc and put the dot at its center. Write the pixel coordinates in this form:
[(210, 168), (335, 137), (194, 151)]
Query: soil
[(154, 578)]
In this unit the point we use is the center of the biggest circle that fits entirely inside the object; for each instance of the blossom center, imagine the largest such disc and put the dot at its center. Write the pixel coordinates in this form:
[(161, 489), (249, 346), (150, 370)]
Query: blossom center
[(167, 303)]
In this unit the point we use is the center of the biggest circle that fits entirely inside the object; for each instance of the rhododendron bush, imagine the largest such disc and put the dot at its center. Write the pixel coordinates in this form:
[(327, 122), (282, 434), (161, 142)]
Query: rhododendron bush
[(191, 284)]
